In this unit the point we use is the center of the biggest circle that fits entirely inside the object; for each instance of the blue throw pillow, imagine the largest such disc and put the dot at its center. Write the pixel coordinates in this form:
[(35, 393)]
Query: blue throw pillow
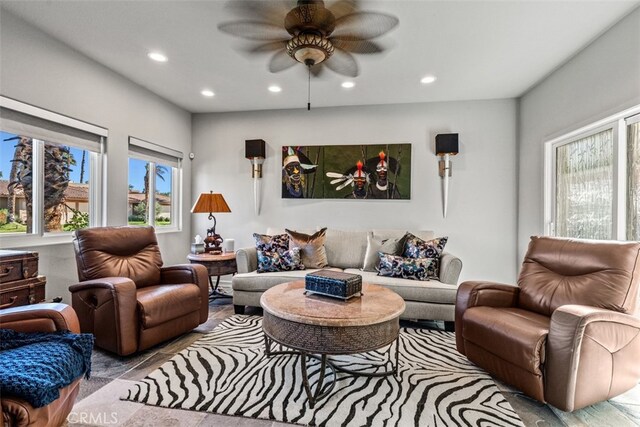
[(407, 268), (272, 261), (415, 247)]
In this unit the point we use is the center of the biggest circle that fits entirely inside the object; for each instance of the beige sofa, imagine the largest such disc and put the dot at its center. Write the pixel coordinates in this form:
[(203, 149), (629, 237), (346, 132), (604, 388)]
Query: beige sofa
[(433, 299)]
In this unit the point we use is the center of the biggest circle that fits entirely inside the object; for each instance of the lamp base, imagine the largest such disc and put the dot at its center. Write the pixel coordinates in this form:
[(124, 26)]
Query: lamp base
[(213, 250), (212, 242)]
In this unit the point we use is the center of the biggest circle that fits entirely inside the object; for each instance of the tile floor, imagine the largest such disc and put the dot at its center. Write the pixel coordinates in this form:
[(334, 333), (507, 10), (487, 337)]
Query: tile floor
[(98, 403)]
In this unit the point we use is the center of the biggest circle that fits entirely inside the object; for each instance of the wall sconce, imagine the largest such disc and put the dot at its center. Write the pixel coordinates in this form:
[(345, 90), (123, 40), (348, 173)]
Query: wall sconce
[(446, 145), (254, 150)]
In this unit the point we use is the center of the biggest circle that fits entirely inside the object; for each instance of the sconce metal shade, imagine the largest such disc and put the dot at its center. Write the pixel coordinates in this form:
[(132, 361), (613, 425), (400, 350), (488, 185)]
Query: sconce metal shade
[(447, 143), (254, 148)]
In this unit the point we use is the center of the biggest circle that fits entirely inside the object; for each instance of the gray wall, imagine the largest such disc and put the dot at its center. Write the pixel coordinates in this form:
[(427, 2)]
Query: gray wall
[(601, 80), (481, 222), (39, 70)]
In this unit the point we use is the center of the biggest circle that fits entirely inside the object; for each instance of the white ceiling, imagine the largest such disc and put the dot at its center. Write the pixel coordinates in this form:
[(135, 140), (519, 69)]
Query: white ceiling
[(477, 50)]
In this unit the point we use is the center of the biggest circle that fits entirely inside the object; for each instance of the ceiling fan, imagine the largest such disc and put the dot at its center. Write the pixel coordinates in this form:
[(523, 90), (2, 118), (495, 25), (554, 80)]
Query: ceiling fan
[(309, 33)]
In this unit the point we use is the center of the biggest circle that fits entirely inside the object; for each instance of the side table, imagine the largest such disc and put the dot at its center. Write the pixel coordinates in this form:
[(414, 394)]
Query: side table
[(217, 265)]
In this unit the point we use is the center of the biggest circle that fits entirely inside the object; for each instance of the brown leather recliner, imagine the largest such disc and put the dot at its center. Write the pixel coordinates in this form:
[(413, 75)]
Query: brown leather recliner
[(568, 334), (40, 318), (126, 298)]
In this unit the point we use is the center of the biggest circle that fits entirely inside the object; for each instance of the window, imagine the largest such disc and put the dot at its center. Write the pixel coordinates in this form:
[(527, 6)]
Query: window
[(633, 163), (154, 177), (50, 173), (592, 180)]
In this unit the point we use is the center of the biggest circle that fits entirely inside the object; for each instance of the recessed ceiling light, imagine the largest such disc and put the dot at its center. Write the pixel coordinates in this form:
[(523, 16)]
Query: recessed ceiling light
[(207, 93), (275, 89), (428, 79), (157, 56), (348, 85)]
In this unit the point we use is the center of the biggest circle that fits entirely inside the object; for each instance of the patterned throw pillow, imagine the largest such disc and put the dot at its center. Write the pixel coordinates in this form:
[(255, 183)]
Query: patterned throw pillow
[(272, 261), (407, 268), (415, 247), (277, 243), (311, 247)]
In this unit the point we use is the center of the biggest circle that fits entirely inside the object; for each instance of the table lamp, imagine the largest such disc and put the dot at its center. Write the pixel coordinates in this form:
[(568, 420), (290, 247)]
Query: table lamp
[(209, 203)]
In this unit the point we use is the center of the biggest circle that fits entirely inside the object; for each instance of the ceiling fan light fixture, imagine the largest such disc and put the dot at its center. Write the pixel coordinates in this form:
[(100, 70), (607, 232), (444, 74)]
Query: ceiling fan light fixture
[(309, 49)]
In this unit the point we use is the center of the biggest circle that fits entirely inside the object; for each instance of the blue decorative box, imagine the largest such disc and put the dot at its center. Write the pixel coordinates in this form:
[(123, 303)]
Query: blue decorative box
[(333, 284)]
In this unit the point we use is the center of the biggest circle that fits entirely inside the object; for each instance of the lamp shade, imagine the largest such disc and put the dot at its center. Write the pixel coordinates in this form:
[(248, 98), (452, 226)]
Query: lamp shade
[(254, 148), (447, 143), (210, 202)]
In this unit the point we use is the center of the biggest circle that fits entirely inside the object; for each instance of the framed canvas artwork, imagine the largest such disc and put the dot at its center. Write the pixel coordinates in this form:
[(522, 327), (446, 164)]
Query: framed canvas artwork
[(370, 171)]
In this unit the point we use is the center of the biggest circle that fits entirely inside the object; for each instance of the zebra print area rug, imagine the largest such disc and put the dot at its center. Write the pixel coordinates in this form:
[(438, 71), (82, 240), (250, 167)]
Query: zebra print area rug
[(225, 372)]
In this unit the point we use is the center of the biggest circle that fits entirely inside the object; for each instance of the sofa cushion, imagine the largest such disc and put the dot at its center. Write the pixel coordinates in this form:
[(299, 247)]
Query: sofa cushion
[(345, 249), (512, 334), (311, 247), (406, 268), (415, 247), (280, 260), (375, 245), (159, 304), (276, 230), (432, 291), (260, 282), (388, 233)]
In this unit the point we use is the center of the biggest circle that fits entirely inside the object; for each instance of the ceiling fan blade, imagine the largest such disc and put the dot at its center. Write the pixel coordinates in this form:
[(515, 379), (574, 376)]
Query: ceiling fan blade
[(343, 7), (358, 46), (363, 25), (254, 30), (342, 62), (280, 61), (272, 12), (266, 47)]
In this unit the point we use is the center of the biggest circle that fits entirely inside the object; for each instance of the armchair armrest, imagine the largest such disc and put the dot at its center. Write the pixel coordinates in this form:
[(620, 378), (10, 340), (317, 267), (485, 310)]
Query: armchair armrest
[(247, 260), (478, 293), (107, 308), (40, 318), (592, 355), (190, 273), (450, 268)]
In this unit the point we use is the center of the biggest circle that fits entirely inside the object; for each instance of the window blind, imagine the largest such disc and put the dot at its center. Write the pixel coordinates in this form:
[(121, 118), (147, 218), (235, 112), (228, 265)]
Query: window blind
[(154, 153), (31, 126)]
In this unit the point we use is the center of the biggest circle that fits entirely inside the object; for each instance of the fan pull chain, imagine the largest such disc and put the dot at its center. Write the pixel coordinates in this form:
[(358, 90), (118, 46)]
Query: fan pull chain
[(309, 89)]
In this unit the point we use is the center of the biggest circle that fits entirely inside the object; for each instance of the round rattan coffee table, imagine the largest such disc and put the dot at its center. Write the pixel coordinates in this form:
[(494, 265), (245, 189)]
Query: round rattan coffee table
[(317, 326)]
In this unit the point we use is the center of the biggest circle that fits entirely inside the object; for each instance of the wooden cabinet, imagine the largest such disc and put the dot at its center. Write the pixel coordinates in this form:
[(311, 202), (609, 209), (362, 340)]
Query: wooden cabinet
[(19, 280)]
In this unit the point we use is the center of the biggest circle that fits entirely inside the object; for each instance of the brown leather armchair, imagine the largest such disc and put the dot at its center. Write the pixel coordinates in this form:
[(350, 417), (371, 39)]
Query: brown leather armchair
[(40, 318), (126, 298), (568, 334)]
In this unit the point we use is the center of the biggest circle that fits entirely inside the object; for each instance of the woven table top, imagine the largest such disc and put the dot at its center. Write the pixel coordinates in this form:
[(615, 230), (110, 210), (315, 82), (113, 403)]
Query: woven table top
[(288, 301)]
